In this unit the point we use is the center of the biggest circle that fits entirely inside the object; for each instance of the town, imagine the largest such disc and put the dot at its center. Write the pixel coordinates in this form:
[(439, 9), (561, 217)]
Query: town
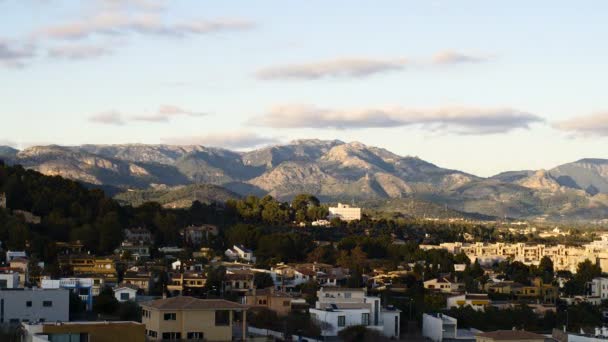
[(259, 269)]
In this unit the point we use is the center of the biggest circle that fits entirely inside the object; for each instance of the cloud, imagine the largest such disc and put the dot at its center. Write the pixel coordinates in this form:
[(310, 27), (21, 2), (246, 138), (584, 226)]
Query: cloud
[(77, 52), (164, 114), (595, 124), (449, 57), (335, 68), (15, 56), (124, 22), (230, 140), (108, 118), (458, 120)]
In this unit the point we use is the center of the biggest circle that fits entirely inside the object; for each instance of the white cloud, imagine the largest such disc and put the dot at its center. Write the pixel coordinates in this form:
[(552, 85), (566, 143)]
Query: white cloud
[(124, 22), (76, 52), (15, 56), (165, 113), (458, 120), (336, 68), (231, 140), (590, 125), (108, 118), (452, 57)]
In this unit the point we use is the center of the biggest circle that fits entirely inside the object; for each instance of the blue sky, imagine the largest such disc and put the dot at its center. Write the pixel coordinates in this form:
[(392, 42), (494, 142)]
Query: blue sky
[(481, 86)]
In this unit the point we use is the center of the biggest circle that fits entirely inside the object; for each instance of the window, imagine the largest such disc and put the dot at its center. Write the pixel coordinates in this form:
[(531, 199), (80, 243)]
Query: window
[(364, 319), (341, 321), (347, 295), (195, 335), (152, 333), (222, 317), (47, 303), (286, 303), (170, 316), (124, 296), (172, 336), (28, 303), (3, 283)]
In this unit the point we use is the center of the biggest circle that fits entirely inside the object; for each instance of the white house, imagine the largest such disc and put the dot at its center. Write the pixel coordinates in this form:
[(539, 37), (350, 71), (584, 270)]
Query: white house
[(125, 292), (9, 280), (478, 301), (32, 305), (439, 327), (338, 308), (444, 285), (10, 255), (240, 252), (345, 212), (598, 287)]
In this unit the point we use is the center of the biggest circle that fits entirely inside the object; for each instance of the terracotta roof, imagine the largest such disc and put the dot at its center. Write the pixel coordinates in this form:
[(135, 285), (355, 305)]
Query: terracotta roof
[(129, 286), (191, 303), (511, 335)]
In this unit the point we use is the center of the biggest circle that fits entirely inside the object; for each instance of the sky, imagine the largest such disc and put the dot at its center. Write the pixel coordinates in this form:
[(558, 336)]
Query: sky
[(475, 85)]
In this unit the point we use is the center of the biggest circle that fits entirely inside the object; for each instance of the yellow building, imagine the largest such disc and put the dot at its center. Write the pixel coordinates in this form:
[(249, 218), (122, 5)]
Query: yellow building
[(86, 331), (278, 301), (85, 264), (192, 318)]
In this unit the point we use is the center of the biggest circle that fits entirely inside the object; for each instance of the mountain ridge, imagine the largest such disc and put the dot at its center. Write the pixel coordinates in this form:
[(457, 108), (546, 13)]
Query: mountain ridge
[(333, 170)]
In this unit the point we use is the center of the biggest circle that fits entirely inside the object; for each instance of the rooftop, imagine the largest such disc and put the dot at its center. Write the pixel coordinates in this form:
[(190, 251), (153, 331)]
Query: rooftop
[(191, 303)]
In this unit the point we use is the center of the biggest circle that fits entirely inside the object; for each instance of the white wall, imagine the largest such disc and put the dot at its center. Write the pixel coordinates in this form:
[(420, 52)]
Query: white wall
[(14, 305), (432, 328)]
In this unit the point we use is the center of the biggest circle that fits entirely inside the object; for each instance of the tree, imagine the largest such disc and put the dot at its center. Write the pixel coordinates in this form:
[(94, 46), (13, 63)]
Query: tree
[(262, 280), (545, 269), (105, 302)]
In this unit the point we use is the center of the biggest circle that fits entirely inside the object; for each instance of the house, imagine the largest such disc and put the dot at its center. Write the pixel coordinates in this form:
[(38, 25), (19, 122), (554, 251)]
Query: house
[(509, 336), (87, 265), (126, 292), (238, 281), (34, 305), (345, 212), (138, 235), (102, 331), (21, 266), (240, 253), (269, 298), (9, 280), (192, 318), (136, 250), (476, 301), (196, 235), (444, 285), (338, 308), (598, 287), (439, 327), (186, 283), (83, 287), (140, 279), (10, 255)]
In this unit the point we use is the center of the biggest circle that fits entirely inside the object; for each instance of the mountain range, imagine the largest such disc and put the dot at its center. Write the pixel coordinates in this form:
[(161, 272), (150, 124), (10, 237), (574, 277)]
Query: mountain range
[(332, 170)]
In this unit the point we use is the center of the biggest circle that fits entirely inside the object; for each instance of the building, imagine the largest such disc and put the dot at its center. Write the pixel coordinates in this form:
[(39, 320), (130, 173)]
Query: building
[(10, 255), (138, 235), (196, 235), (21, 266), (240, 253), (9, 280), (444, 285), (102, 331), (192, 318), (338, 308), (34, 305), (87, 265), (83, 287), (478, 301), (439, 327), (140, 279), (345, 212), (238, 281), (125, 292), (509, 336), (598, 287), (277, 301), (186, 283), (136, 250)]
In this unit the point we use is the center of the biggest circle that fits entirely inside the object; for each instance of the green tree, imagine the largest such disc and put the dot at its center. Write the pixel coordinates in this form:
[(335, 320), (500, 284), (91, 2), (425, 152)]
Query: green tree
[(262, 280)]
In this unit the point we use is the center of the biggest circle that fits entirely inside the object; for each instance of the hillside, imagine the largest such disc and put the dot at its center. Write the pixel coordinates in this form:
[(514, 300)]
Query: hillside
[(178, 197)]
